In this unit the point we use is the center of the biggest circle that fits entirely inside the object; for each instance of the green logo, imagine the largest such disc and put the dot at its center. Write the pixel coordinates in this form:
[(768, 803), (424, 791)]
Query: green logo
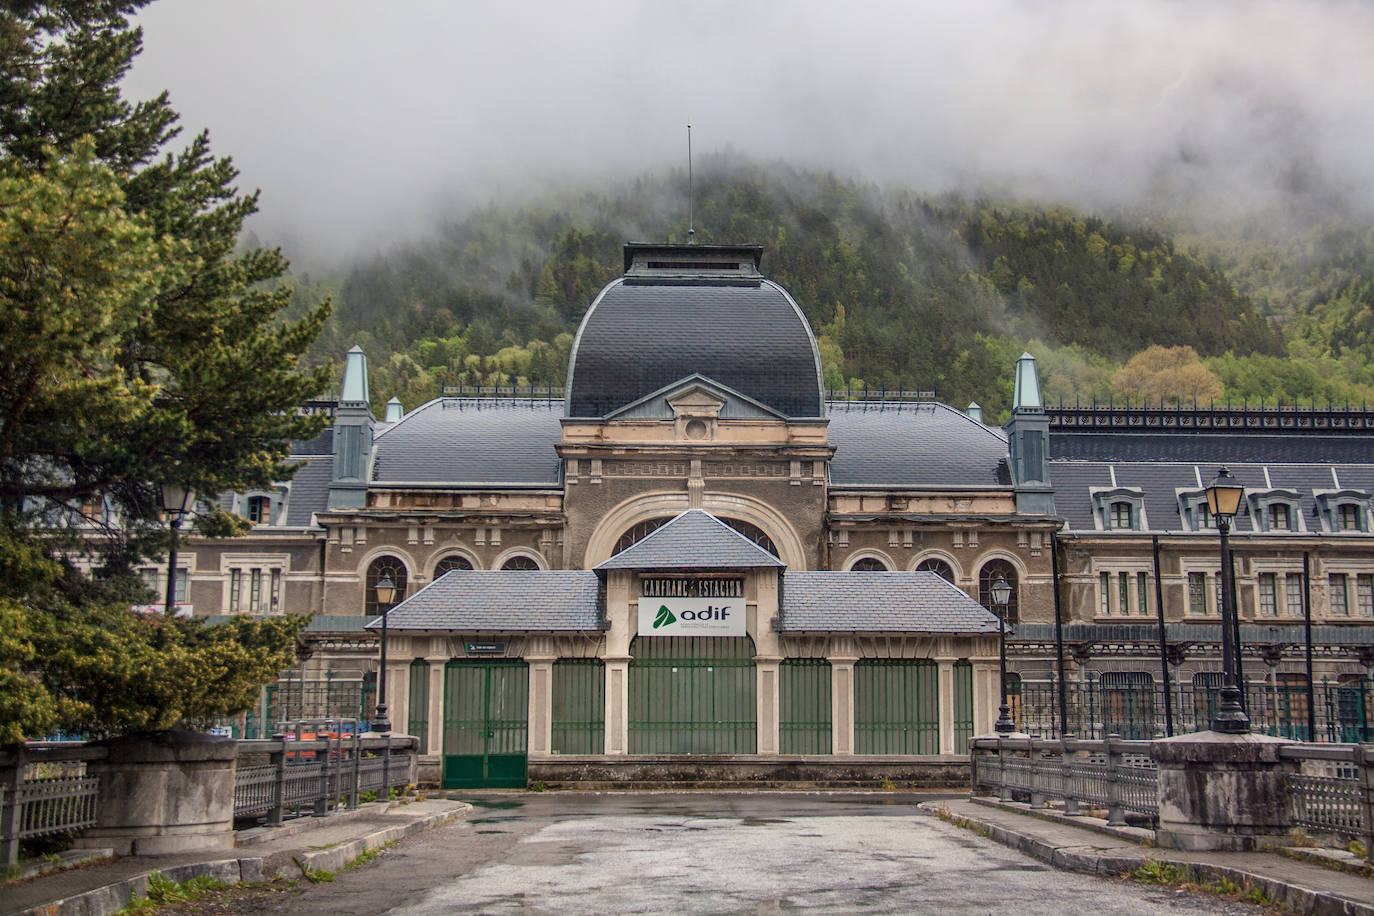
[(664, 617)]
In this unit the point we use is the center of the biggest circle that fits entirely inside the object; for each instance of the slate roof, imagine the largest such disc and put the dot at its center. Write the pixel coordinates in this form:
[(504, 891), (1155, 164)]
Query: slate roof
[(473, 441), (642, 333), (309, 492), (1159, 482), (502, 600), (907, 602), (913, 444), (323, 444), (694, 540), (1211, 448)]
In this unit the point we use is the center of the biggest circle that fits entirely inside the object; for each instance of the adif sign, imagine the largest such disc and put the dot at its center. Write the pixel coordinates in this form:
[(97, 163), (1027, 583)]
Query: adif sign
[(691, 617)]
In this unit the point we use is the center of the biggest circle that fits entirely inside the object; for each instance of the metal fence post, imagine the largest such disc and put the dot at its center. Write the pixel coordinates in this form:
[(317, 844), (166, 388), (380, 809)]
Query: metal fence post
[(1116, 814), (322, 798), (11, 779), (1364, 757), (386, 770), (1068, 749), (278, 758), (357, 766), (1003, 785)]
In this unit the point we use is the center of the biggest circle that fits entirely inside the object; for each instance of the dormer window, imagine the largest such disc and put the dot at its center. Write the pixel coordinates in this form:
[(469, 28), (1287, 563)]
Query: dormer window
[(1275, 510), (1119, 509), (1345, 511), (1193, 510), (259, 510)]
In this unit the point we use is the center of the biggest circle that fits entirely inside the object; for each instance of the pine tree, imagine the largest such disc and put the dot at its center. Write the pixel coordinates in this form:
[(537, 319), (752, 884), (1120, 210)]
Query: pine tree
[(137, 347)]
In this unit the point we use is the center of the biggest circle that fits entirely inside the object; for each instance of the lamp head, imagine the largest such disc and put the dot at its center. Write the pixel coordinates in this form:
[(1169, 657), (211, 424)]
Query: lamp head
[(386, 590), (1223, 495), (1001, 591)]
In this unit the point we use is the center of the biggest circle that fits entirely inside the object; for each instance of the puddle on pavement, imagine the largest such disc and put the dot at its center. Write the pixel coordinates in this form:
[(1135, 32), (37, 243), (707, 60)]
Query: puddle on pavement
[(762, 821), (497, 804)]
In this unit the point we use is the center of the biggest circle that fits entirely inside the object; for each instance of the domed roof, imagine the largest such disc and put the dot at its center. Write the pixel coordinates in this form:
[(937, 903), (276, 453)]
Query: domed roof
[(683, 310)]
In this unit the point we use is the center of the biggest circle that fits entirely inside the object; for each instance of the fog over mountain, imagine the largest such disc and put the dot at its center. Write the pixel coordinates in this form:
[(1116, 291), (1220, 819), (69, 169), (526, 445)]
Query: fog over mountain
[(362, 121)]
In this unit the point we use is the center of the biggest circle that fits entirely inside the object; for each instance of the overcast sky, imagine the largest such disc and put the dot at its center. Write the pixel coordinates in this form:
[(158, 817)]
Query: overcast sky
[(365, 119)]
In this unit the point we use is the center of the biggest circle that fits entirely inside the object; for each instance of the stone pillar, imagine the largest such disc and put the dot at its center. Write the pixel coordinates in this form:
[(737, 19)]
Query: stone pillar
[(767, 711), (946, 688), (842, 696), (1221, 791), (987, 696), (436, 704), (617, 704), (163, 793), (540, 656)]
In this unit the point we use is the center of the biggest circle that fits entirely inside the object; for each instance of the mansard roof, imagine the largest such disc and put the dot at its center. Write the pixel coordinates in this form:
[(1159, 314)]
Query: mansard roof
[(503, 601), (876, 602), (693, 309), (694, 540), (912, 444), (472, 442)]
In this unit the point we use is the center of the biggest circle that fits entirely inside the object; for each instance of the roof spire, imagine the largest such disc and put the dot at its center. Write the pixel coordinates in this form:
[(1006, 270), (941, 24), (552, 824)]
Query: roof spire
[(691, 221)]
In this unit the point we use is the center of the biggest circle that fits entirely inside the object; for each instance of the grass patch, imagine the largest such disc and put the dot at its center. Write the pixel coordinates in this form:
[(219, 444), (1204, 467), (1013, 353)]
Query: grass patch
[(166, 892), (369, 855), (1184, 878)]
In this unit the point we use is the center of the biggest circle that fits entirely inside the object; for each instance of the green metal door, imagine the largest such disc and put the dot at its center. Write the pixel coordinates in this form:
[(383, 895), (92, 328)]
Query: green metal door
[(579, 706), (486, 723), (804, 720), (692, 695), (963, 706), (896, 707)]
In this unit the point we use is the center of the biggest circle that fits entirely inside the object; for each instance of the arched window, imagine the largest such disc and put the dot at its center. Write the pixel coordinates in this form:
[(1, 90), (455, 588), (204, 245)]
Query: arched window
[(989, 574), (383, 566), (868, 564), (448, 564), (644, 529), (937, 566), (520, 562), (260, 510)]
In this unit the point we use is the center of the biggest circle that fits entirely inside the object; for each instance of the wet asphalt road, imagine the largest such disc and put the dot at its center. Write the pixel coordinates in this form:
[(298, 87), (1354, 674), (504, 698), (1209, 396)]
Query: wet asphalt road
[(715, 853)]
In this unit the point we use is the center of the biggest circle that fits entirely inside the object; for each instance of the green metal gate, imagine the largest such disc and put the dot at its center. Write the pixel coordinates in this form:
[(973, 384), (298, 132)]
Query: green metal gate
[(963, 706), (579, 706), (486, 723), (692, 695), (896, 707), (804, 716)]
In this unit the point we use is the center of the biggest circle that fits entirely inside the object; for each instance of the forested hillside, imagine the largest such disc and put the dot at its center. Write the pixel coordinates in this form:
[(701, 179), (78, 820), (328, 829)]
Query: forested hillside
[(903, 291)]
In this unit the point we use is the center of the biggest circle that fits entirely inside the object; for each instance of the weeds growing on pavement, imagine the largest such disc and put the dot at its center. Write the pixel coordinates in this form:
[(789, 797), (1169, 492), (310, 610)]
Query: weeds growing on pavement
[(163, 891)]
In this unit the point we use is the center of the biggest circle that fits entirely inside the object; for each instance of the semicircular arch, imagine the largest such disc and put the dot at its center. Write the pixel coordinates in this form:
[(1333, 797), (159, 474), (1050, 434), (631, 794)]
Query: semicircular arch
[(647, 506)]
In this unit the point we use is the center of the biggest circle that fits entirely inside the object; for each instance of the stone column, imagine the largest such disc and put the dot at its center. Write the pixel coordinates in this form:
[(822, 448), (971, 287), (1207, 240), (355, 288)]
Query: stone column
[(1221, 791), (436, 704), (767, 683), (163, 793), (842, 656), (617, 704), (540, 657), (946, 687)]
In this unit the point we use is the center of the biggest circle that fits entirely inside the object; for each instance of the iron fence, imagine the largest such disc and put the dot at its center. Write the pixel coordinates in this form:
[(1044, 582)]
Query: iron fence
[(281, 777), (1343, 713), (44, 790)]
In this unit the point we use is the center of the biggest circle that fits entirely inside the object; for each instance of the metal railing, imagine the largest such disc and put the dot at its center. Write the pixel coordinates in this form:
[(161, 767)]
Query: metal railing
[(1115, 774), (281, 777), (44, 790), (1332, 793), (1343, 713)]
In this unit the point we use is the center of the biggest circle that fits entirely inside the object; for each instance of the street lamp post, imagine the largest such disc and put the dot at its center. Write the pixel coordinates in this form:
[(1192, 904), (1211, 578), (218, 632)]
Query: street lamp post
[(176, 498), (1001, 594), (1223, 501), (386, 591)]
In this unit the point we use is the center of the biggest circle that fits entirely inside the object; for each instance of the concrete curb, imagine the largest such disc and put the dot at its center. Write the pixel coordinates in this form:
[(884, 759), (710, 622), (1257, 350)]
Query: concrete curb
[(290, 864), (1086, 859)]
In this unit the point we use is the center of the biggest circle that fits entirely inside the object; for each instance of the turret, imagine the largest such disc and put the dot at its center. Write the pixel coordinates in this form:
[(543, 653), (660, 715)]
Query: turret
[(1028, 433), (353, 424)]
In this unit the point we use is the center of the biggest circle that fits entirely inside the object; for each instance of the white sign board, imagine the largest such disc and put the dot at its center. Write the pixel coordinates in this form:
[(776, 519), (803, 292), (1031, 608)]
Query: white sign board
[(691, 617)]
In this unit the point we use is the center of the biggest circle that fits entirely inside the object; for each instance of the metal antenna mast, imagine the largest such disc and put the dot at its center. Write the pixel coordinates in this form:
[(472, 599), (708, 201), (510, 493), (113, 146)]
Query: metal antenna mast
[(691, 220)]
